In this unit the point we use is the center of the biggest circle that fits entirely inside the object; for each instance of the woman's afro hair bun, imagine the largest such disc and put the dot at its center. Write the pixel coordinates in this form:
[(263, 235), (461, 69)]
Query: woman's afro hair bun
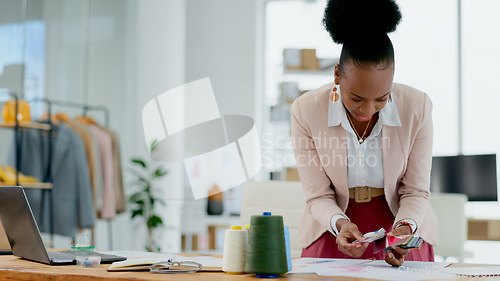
[(346, 18)]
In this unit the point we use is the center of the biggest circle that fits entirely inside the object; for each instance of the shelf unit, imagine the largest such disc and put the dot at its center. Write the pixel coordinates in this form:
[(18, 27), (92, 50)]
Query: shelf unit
[(278, 125), (196, 224), (46, 187), (17, 125), (306, 72), (37, 185), (26, 125)]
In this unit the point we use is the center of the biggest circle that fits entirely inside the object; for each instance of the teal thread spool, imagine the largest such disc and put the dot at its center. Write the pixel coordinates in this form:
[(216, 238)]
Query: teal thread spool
[(266, 252), (288, 251)]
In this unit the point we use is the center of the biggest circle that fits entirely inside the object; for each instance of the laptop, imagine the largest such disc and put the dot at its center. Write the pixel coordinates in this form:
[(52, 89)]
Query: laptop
[(23, 234)]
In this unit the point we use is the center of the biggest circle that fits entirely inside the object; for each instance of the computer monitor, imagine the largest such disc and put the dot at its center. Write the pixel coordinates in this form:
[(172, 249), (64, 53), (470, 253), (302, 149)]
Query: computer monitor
[(473, 175)]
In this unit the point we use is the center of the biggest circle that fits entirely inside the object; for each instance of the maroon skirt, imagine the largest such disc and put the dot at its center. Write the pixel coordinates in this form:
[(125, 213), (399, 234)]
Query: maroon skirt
[(368, 217)]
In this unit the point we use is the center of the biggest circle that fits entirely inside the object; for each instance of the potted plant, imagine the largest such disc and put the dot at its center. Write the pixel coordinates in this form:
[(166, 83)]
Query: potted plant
[(144, 198)]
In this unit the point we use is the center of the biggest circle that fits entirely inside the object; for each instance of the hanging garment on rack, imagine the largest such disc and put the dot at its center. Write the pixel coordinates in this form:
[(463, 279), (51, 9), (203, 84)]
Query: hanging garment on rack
[(88, 143), (98, 183), (72, 204), (121, 202), (104, 142)]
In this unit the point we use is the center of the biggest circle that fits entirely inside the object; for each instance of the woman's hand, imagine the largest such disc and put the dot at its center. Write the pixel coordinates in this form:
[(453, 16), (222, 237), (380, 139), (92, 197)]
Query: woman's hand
[(349, 232), (396, 257)]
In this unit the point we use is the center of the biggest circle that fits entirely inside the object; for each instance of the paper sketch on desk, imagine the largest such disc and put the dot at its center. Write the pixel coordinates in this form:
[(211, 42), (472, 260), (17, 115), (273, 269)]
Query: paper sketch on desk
[(380, 270), (310, 265), (370, 269), (134, 264), (475, 271), (205, 261)]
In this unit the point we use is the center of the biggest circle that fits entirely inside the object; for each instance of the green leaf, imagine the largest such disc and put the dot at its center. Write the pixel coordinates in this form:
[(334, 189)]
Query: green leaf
[(153, 145), (139, 202), (139, 162), (154, 221), (159, 173), (138, 212), (136, 196), (152, 201)]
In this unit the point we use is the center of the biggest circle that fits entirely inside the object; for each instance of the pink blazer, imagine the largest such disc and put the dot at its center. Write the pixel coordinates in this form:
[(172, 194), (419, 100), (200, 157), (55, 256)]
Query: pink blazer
[(322, 162)]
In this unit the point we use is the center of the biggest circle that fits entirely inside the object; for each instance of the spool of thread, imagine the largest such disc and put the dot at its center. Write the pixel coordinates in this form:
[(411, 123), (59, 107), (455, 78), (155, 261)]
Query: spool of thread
[(288, 252), (266, 252), (235, 248)]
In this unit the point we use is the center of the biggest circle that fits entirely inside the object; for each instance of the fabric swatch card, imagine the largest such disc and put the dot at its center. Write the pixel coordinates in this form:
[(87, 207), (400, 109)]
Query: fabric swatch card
[(382, 242)]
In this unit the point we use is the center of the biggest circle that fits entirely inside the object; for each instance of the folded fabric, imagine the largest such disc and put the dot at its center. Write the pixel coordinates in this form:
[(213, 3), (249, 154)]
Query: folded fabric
[(8, 175)]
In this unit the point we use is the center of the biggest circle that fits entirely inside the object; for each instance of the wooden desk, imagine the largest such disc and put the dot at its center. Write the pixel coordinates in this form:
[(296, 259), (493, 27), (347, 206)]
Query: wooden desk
[(13, 268)]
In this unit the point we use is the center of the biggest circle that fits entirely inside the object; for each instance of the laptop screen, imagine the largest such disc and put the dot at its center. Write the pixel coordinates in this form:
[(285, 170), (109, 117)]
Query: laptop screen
[(20, 226)]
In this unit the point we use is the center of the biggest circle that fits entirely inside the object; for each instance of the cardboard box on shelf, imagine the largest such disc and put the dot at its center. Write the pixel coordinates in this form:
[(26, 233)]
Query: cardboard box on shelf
[(292, 174), (306, 59), (479, 229), (309, 59)]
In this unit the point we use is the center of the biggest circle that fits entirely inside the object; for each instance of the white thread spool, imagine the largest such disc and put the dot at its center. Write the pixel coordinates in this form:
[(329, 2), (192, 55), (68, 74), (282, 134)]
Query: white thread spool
[(235, 249)]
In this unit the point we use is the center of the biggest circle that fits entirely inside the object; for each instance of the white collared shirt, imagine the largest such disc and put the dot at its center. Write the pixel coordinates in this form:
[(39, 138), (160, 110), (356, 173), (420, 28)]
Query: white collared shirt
[(364, 161)]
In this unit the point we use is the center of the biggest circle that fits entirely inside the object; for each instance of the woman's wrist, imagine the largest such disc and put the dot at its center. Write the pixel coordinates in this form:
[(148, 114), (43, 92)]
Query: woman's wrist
[(405, 229), (409, 223), (340, 223)]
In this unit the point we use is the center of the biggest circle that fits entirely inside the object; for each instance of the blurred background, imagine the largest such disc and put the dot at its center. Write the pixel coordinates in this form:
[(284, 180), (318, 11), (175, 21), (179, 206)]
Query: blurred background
[(107, 59)]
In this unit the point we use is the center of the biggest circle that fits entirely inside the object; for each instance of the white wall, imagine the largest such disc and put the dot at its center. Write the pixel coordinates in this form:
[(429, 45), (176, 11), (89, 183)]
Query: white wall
[(221, 45), (159, 66), (64, 49), (168, 43), (136, 51), (10, 77), (10, 12)]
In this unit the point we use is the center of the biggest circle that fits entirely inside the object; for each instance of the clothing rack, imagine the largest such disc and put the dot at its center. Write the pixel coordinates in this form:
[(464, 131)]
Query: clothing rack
[(16, 137), (86, 108), (50, 103), (16, 127)]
